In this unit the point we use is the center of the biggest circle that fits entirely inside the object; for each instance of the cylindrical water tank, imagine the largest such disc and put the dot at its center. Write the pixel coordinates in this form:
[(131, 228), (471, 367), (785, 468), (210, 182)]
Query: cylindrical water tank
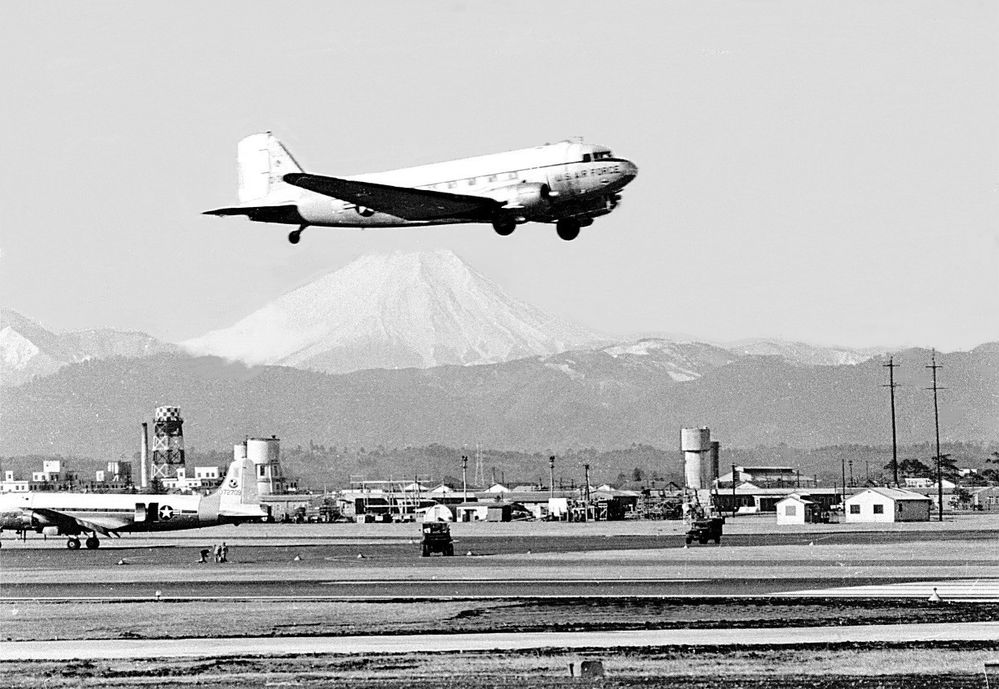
[(238, 452), (263, 450), (695, 439)]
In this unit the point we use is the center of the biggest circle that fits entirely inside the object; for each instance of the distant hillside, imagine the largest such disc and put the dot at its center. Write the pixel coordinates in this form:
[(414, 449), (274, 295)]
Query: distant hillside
[(596, 399), (28, 350)]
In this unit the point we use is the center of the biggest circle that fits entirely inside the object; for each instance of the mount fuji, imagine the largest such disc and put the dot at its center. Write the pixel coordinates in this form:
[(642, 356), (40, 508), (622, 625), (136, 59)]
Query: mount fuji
[(399, 310)]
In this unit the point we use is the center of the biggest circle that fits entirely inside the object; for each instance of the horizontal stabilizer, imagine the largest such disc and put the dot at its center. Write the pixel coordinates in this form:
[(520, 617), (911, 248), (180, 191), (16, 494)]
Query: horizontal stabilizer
[(402, 202), (281, 214)]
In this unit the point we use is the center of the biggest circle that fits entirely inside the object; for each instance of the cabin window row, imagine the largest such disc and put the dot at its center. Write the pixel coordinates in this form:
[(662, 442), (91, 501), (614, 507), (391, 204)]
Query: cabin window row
[(472, 181)]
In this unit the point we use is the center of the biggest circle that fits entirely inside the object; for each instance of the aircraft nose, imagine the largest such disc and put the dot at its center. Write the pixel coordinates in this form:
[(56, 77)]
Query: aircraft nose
[(629, 170)]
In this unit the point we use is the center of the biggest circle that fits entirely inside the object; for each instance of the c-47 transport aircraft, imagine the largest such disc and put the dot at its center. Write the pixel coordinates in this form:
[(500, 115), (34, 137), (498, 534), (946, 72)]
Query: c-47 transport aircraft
[(567, 183), (72, 514)]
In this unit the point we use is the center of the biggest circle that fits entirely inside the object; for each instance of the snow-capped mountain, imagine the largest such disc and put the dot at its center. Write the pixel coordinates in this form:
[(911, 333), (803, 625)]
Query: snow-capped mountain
[(681, 361), (28, 350), (398, 310), (803, 354)]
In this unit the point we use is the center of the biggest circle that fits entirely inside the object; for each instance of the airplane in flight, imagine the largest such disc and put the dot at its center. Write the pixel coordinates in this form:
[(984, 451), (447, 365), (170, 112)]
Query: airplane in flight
[(567, 183), (71, 514)]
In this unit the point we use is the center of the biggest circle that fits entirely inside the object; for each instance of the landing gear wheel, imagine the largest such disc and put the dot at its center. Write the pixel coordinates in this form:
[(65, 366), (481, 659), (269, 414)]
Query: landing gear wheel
[(504, 228), (295, 237), (568, 228), (92, 543), (73, 543)]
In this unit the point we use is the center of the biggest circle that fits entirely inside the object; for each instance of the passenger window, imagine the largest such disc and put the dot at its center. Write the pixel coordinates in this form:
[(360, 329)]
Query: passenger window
[(452, 185), (471, 181), (492, 178)]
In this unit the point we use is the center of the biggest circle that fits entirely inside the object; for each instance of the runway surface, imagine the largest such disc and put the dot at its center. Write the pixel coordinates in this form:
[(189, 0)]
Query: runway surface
[(435, 643), (307, 564)]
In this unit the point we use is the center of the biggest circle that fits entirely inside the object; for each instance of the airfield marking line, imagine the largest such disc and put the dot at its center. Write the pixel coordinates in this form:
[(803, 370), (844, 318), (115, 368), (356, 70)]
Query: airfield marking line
[(492, 641)]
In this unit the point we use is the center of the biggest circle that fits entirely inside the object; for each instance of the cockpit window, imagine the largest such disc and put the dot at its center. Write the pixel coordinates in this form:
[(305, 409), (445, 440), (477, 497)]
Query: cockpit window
[(586, 157), (601, 155)]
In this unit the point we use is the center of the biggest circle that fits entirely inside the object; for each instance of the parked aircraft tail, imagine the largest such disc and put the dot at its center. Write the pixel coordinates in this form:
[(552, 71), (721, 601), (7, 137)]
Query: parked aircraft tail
[(262, 162), (238, 497)]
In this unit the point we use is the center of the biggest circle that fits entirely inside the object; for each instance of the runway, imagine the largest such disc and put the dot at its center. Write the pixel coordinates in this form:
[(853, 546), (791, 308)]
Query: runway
[(437, 643)]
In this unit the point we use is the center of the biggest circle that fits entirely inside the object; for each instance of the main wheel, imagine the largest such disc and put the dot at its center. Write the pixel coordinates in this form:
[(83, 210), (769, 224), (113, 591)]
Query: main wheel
[(295, 237), (504, 228), (73, 544), (568, 228), (93, 543)]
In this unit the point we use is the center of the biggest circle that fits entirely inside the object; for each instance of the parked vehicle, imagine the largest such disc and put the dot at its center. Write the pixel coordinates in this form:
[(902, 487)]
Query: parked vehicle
[(437, 539), (704, 530)]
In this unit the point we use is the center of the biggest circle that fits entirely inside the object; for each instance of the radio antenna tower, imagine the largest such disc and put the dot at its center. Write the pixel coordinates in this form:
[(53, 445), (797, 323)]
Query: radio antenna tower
[(936, 424), (891, 366), (480, 474)]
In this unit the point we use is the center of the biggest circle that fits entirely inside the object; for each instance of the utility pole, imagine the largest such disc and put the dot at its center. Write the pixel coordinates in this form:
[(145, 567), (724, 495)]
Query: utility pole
[(464, 478), (586, 472), (735, 506), (852, 484), (936, 424), (891, 366), (551, 476), (842, 468)]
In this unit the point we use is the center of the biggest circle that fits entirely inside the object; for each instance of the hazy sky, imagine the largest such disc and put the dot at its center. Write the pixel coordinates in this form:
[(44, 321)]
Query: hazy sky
[(821, 171)]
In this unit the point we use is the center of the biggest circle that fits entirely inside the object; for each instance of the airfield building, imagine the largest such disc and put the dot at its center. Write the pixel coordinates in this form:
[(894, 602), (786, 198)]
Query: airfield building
[(887, 505)]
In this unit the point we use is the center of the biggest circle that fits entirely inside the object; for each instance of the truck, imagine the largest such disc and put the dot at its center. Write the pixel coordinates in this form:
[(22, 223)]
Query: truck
[(437, 539), (704, 530)]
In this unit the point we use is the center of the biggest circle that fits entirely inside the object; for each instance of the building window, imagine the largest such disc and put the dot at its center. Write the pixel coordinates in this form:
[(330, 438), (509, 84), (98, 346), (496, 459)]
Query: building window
[(854, 509), (879, 509), (790, 510)]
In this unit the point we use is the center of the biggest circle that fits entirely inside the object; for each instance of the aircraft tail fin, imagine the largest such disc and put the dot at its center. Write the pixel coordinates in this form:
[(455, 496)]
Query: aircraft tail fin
[(263, 161), (238, 497)]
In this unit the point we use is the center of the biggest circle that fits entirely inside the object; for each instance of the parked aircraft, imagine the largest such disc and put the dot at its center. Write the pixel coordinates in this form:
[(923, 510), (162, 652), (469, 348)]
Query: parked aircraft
[(71, 514), (567, 183)]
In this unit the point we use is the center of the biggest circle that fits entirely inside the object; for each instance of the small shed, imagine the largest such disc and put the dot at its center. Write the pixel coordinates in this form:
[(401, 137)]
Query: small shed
[(795, 509), (499, 512), (887, 505)]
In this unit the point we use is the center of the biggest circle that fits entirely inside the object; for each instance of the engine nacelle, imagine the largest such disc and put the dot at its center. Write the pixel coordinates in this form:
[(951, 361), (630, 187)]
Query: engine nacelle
[(528, 196)]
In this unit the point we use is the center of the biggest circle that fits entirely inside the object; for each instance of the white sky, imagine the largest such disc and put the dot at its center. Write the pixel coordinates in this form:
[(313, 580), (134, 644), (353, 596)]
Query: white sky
[(822, 171)]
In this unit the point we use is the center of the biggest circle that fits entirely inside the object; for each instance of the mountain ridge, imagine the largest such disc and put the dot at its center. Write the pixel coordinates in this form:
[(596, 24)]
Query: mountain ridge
[(569, 400)]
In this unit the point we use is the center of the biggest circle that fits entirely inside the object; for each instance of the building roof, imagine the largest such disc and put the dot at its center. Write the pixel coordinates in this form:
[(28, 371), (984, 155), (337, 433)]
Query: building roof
[(892, 494), (797, 498)]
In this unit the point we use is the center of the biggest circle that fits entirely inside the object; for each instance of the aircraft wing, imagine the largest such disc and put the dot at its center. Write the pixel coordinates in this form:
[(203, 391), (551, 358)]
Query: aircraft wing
[(104, 526), (403, 202)]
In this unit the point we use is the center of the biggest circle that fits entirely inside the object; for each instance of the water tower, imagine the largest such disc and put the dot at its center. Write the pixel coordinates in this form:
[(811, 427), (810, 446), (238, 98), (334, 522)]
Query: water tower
[(168, 443), (695, 444), (265, 453)]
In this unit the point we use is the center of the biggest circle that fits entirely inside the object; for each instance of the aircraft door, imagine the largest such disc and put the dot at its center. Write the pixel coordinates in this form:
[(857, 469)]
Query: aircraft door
[(140, 512)]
